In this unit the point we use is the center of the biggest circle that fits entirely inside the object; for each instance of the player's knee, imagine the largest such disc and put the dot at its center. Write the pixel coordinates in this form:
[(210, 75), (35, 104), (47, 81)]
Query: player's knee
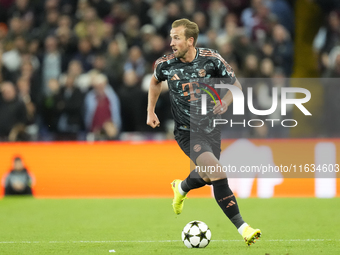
[(207, 180), (218, 178)]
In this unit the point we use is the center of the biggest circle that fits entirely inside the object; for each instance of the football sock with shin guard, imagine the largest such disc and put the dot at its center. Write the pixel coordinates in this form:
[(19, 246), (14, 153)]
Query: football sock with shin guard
[(227, 201), (193, 181)]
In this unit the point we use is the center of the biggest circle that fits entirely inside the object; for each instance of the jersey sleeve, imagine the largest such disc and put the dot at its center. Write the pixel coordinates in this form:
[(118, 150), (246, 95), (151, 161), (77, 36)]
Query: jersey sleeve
[(158, 73), (224, 70)]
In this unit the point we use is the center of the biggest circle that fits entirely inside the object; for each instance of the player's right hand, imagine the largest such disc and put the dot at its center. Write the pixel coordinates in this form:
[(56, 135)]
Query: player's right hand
[(152, 120)]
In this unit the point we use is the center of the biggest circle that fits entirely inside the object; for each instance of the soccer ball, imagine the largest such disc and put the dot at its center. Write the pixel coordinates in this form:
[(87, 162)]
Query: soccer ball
[(196, 234)]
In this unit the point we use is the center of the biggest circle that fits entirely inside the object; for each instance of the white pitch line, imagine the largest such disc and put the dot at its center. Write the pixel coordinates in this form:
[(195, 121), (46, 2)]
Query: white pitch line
[(164, 241)]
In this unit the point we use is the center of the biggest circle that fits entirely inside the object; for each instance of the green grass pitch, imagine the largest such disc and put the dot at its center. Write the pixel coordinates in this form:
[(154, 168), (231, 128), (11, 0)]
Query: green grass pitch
[(148, 226)]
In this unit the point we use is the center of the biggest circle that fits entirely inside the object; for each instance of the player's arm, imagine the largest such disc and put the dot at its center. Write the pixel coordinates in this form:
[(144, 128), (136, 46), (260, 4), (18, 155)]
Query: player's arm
[(226, 100), (154, 92), (225, 71)]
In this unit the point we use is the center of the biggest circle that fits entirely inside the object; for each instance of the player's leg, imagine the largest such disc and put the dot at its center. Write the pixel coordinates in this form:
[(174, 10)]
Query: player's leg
[(181, 188), (222, 192), (194, 179), (225, 197)]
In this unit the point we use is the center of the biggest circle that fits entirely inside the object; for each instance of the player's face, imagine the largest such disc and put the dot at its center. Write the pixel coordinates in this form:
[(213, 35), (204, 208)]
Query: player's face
[(179, 44)]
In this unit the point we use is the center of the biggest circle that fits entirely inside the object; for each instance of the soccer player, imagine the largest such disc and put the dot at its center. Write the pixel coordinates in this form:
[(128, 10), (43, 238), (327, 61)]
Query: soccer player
[(201, 143)]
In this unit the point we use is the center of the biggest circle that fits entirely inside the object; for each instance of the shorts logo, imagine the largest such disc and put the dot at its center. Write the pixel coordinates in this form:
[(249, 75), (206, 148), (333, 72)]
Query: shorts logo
[(197, 148), (202, 73)]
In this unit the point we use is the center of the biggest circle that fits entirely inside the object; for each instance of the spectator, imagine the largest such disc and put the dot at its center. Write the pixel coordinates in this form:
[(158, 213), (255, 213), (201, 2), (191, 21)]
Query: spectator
[(51, 62), (216, 12), (64, 21), (248, 16), (133, 103), (109, 35), (68, 7), (173, 13), (114, 60), (251, 66), (25, 95), (333, 70), (266, 68), (237, 6), (147, 32), (189, 8), (284, 13), (82, 80), (85, 54), (131, 31), (327, 38), (267, 50), (226, 50), (49, 110), (3, 32), (67, 44), (12, 58), (33, 77), (140, 9), (49, 26), (283, 49), (96, 37), (230, 30), (52, 5), (90, 18), (99, 65), (102, 110), (12, 114), (16, 29), (261, 28), (201, 21), (242, 48), (157, 48), (4, 74), (118, 14), (211, 39), (27, 57), (33, 47), (82, 7), (264, 96), (102, 7), (135, 62), (331, 95), (18, 181), (69, 107), (24, 11), (157, 14)]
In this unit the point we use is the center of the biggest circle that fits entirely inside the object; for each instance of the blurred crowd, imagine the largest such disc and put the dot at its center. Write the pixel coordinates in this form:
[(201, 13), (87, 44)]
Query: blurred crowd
[(327, 46), (80, 69)]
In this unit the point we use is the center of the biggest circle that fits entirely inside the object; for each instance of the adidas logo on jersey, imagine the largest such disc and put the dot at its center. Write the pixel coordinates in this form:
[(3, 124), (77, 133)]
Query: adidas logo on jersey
[(175, 77)]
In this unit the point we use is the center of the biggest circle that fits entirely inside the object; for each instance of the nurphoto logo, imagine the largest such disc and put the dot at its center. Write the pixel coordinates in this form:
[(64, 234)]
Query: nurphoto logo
[(238, 105)]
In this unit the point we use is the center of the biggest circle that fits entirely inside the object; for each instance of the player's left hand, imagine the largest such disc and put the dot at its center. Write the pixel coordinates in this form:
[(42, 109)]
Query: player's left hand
[(218, 108)]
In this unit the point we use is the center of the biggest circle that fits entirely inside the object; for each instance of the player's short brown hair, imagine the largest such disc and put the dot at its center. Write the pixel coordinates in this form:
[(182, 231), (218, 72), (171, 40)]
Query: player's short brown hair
[(191, 28)]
